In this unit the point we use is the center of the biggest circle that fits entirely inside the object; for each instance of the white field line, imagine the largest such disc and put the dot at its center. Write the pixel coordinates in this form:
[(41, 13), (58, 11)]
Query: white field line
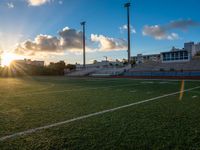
[(30, 131)]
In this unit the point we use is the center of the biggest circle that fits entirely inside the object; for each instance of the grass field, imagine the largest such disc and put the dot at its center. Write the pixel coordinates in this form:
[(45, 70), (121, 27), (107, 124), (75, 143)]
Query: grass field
[(162, 123)]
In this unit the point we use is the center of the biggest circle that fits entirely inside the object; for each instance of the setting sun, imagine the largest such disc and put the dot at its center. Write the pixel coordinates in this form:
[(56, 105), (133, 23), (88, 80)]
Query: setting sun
[(7, 58)]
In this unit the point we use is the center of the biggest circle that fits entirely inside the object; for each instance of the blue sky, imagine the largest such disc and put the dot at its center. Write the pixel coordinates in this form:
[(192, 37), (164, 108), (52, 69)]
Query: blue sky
[(168, 23)]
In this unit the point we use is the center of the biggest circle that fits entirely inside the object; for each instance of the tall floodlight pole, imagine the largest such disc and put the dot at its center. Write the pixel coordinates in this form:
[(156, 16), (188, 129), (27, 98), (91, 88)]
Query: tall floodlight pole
[(127, 5), (83, 25)]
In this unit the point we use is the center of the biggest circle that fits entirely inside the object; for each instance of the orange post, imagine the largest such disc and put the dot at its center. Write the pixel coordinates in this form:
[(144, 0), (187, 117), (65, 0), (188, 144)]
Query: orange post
[(182, 90)]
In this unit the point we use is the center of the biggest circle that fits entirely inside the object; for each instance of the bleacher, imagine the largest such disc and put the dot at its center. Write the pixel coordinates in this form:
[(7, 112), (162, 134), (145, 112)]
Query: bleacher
[(158, 69), (193, 65), (79, 73), (110, 71), (151, 69)]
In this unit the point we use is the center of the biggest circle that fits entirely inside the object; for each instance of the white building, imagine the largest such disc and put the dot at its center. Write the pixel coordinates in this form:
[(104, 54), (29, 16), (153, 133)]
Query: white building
[(176, 55), (192, 47), (197, 47), (146, 58)]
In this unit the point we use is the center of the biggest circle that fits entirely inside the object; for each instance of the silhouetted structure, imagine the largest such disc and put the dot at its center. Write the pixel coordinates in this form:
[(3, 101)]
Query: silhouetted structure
[(127, 5), (83, 25)]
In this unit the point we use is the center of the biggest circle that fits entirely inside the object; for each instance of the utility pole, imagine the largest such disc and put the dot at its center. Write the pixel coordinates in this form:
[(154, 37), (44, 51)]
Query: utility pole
[(83, 25), (127, 5)]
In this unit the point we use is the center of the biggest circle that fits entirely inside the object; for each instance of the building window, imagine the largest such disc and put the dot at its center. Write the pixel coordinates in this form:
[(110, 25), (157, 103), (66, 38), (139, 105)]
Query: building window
[(176, 56), (173, 56), (181, 56), (186, 55)]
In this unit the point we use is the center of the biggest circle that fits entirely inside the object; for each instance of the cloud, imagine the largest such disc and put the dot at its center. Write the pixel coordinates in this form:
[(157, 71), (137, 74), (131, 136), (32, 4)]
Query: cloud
[(1, 51), (10, 5), (183, 24), (68, 39), (160, 32), (42, 43), (109, 44), (125, 27), (37, 2)]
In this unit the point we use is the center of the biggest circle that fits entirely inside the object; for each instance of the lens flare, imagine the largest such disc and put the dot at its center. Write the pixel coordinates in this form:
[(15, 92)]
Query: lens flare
[(7, 58)]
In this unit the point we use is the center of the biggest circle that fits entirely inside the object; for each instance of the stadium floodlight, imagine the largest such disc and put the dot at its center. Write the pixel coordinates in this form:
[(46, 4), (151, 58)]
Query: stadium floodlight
[(83, 25), (127, 5)]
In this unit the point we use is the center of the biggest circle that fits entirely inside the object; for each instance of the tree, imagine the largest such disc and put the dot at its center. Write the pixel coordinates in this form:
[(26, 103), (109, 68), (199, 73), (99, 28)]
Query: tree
[(133, 62), (70, 67), (125, 61), (117, 60), (57, 68), (95, 62)]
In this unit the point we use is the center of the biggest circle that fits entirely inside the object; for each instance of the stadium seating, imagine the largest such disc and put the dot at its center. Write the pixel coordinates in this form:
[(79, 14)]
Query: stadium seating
[(155, 69), (193, 65), (79, 73), (99, 71)]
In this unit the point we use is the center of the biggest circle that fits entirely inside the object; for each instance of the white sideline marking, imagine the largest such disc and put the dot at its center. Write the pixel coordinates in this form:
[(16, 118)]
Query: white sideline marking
[(30, 131)]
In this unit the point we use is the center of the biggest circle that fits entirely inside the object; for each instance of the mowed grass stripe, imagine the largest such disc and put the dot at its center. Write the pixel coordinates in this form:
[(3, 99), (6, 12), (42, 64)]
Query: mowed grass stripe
[(71, 90), (30, 131)]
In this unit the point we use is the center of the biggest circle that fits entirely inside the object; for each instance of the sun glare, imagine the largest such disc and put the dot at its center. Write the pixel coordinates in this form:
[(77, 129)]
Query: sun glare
[(7, 58)]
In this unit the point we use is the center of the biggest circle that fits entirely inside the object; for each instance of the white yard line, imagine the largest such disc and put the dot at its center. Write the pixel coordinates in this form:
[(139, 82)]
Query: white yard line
[(30, 131)]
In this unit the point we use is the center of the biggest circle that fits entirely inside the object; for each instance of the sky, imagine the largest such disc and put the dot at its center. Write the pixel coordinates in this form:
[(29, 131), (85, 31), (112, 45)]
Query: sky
[(50, 30)]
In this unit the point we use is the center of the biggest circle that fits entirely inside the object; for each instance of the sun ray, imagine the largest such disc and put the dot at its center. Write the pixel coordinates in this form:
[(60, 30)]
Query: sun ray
[(7, 58)]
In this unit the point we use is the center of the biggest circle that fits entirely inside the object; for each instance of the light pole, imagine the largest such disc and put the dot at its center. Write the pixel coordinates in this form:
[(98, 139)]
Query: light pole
[(127, 5), (83, 25)]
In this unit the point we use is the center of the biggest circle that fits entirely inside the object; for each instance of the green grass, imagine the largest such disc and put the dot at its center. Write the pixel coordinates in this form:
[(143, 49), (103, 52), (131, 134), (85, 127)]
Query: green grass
[(166, 123)]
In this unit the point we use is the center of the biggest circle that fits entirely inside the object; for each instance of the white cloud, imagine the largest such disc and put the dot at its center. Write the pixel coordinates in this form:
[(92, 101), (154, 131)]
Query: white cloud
[(37, 2), (164, 32), (155, 31), (10, 5), (68, 39), (125, 27), (183, 24), (41, 43), (109, 44), (173, 36), (159, 33)]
